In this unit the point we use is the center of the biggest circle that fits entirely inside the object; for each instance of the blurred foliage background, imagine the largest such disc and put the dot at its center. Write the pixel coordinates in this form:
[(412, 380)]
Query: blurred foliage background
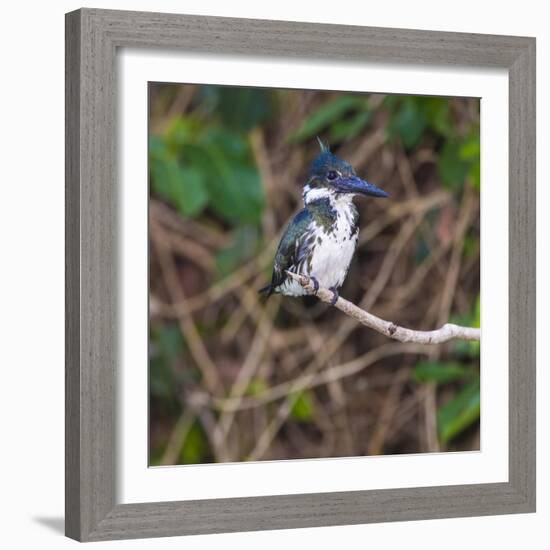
[(234, 377)]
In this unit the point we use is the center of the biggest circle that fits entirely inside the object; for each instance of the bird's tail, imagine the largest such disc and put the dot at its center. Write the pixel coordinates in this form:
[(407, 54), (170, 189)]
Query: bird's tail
[(267, 290)]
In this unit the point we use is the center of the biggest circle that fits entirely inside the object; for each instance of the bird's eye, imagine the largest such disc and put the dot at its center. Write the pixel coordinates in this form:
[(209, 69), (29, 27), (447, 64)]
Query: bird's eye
[(332, 175)]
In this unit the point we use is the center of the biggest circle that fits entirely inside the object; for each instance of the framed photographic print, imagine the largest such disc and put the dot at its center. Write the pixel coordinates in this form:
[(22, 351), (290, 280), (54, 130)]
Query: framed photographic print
[(284, 241)]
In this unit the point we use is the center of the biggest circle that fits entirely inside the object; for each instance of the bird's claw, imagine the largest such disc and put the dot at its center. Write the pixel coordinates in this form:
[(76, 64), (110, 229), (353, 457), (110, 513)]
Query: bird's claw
[(315, 285), (335, 296)]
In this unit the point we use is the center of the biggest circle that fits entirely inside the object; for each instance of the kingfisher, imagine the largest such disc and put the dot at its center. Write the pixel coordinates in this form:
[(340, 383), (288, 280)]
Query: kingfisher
[(319, 242)]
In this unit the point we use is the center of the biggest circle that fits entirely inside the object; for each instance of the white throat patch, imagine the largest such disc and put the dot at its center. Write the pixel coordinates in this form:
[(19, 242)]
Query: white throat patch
[(337, 200), (311, 194)]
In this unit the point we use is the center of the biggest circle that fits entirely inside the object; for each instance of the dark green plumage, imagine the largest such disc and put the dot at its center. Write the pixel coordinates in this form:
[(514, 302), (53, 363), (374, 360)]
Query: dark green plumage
[(290, 250)]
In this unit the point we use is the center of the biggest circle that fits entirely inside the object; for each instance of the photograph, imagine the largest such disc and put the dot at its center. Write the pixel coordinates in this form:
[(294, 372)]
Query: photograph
[(374, 199), (275, 282)]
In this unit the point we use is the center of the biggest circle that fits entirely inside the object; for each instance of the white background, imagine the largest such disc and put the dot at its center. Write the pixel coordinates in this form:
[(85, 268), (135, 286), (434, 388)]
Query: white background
[(31, 218)]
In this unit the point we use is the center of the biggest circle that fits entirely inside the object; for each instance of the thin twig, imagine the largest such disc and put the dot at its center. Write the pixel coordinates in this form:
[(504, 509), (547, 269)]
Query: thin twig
[(415, 206), (250, 366), (313, 379), (177, 438), (438, 336), (293, 389), (447, 297), (187, 325)]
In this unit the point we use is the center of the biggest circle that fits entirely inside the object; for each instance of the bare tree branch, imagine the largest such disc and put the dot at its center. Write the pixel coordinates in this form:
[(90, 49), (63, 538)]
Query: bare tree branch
[(389, 329)]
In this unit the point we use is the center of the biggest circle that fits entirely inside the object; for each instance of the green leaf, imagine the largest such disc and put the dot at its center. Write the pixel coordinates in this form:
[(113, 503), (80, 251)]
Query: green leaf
[(243, 247), (474, 175), (195, 447), (256, 387), (477, 312), (161, 379), (169, 341), (180, 132), (459, 161), (157, 148), (437, 114), (471, 246), (471, 148), (240, 109), (192, 194), (233, 182), (184, 188), (452, 168), (475, 345), (325, 115), (470, 152), (166, 347), (408, 123), (237, 190), (441, 372), (303, 408), (348, 129), (467, 348), (195, 165), (233, 145), (460, 413)]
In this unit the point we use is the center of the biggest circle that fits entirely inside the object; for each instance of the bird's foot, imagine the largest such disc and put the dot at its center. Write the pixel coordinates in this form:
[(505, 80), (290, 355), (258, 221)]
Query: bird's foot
[(335, 295), (315, 285)]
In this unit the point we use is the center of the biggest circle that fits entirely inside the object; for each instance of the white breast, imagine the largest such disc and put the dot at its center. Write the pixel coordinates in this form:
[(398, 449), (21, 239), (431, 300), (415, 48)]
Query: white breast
[(332, 252)]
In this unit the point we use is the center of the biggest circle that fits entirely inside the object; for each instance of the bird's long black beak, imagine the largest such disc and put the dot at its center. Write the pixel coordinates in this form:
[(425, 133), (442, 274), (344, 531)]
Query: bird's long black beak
[(358, 186)]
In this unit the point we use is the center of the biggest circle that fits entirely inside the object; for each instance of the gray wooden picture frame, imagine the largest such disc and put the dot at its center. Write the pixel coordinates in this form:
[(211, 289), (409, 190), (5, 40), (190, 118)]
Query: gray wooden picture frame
[(92, 39)]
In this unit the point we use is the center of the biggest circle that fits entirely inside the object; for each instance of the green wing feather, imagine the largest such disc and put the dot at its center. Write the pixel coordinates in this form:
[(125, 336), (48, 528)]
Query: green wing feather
[(290, 252)]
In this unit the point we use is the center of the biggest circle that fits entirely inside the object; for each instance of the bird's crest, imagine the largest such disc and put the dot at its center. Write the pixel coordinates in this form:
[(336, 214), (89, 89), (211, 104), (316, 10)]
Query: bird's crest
[(324, 148)]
